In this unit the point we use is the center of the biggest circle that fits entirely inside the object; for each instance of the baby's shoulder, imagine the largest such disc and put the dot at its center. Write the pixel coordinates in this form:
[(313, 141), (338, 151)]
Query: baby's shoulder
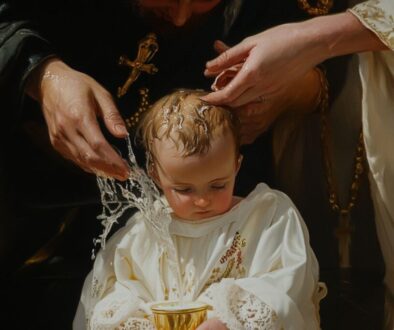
[(266, 198)]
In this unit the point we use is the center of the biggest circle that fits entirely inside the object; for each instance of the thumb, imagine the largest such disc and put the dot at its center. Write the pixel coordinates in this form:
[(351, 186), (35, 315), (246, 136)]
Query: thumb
[(111, 116), (228, 57), (220, 46)]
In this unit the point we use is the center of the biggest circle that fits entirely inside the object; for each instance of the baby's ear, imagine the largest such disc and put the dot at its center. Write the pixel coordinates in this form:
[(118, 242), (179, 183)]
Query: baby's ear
[(239, 162)]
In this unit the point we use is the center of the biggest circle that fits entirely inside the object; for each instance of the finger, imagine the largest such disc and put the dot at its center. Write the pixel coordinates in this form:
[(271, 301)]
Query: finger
[(240, 83), (94, 162), (110, 114), (228, 58), (69, 152), (108, 160), (220, 46), (253, 95)]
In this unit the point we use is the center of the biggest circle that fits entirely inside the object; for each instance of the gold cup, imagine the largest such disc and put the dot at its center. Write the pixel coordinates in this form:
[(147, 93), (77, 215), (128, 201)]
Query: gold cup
[(179, 316)]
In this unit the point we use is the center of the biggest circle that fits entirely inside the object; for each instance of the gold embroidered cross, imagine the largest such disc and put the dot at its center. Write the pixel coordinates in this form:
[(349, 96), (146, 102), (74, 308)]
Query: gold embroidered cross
[(147, 48)]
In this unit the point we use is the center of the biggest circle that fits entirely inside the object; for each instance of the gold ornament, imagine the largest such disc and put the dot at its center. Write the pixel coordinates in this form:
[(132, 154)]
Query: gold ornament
[(344, 230), (147, 48), (172, 316), (133, 120), (322, 7)]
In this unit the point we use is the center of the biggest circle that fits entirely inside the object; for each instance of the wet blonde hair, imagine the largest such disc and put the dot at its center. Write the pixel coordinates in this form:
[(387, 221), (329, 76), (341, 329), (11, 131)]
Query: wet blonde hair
[(189, 122)]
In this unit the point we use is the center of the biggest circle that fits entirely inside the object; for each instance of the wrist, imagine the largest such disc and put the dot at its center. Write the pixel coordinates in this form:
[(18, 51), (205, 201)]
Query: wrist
[(35, 81)]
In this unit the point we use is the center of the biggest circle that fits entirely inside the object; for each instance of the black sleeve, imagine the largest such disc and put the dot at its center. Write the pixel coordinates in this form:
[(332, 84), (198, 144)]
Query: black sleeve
[(22, 48)]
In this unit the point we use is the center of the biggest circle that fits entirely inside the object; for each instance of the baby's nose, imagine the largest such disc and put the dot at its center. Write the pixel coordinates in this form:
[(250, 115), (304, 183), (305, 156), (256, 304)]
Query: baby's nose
[(201, 201)]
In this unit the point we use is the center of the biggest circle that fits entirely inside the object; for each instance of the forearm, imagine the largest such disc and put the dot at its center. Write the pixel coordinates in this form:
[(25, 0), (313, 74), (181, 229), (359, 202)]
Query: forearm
[(339, 34)]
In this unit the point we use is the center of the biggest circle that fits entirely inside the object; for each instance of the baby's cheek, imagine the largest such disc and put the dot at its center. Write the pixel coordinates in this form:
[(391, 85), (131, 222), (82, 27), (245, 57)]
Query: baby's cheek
[(224, 200), (178, 201)]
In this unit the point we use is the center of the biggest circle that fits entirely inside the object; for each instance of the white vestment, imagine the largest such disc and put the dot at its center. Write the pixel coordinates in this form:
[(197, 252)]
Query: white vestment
[(377, 78), (253, 265)]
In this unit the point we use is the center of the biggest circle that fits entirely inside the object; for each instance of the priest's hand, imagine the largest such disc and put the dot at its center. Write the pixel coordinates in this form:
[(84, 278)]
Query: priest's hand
[(212, 324), (71, 102)]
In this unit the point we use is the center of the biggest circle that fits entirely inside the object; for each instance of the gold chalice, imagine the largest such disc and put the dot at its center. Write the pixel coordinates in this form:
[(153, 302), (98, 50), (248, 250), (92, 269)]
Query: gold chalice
[(179, 315)]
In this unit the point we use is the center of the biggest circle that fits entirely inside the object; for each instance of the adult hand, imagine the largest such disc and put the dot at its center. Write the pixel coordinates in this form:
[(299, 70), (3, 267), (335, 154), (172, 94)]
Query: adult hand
[(71, 102), (256, 117), (212, 324), (300, 97), (272, 60), (279, 56)]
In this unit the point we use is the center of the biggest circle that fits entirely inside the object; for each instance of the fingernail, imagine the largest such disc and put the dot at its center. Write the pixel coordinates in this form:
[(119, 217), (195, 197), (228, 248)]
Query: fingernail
[(121, 129)]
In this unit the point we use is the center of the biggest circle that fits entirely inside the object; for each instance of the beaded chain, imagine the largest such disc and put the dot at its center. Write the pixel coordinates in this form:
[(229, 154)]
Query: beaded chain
[(133, 120), (322, 7), (359, 160)]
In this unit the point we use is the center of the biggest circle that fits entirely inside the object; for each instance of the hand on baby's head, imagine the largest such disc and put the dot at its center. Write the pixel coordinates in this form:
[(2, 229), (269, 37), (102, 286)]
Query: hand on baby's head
[(192, 161)]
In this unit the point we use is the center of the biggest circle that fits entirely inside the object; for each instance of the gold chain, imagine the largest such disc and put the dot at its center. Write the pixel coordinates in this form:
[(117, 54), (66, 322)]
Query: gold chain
[(359, 159), (322, 7), (133, 120)]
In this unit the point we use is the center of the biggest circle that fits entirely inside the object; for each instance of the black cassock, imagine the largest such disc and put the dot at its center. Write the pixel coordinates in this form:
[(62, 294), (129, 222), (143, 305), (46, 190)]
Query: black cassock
[(39, 189)]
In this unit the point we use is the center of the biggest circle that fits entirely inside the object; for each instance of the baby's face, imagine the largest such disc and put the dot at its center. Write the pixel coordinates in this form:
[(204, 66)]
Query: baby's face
[(197, 186)]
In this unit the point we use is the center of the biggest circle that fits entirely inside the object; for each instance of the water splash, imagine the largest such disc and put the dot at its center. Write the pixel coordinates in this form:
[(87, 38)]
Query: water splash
[(138, 191)]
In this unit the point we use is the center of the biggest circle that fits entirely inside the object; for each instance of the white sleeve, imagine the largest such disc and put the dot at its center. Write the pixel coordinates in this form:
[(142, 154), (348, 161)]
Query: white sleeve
[(112, 297), (377, 79), (282, 296), (239, 309), (377, 16), (120, 310)]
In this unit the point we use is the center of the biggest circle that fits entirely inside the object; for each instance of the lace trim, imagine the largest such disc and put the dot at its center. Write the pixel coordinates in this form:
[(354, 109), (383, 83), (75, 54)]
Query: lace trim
[(240, 309), (96, 288), (372, 14), (136, 324), (119, 314), (130, 324)]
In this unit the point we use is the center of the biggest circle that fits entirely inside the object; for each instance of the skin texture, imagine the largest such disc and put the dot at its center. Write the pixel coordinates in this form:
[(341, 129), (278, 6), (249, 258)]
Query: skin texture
[(212, 324), (282, 73), (71, 101), (294, 49), (197, 186), (257, 116)]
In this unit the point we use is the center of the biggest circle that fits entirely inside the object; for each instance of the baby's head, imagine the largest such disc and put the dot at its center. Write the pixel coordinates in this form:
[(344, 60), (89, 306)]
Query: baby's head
[(193, 153)]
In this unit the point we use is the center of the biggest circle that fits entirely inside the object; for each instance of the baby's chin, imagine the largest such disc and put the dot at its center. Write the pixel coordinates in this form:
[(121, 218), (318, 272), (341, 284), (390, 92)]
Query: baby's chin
[(202, 215)]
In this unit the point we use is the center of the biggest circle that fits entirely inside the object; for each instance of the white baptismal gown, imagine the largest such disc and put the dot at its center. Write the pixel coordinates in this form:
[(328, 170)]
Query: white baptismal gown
[(253, 265)]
